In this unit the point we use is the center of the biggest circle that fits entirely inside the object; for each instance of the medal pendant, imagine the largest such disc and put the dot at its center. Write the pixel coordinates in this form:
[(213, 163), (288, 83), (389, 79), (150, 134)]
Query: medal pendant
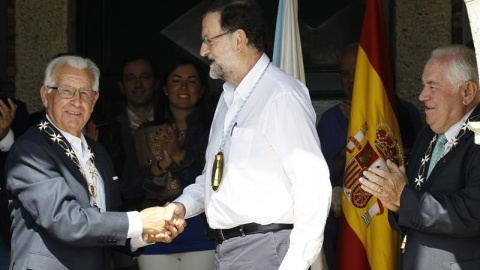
[(91, 190), (217, 171)]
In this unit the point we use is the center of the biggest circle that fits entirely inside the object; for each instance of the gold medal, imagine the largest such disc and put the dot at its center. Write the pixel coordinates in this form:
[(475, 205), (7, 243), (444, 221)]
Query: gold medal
[(217, 171)]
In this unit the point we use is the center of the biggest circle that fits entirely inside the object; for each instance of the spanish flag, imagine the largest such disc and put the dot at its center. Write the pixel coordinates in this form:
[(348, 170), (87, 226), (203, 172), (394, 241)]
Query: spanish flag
[(366, 240)]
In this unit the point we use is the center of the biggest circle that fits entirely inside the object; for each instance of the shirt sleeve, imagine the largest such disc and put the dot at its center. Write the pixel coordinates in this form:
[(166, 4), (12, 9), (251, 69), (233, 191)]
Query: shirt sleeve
[(293, 136), (135, 229), (193, 197), (134, 224), (7, 142)]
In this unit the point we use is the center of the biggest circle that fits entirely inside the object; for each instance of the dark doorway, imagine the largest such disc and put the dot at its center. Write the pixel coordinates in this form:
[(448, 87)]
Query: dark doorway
[(108, 31)]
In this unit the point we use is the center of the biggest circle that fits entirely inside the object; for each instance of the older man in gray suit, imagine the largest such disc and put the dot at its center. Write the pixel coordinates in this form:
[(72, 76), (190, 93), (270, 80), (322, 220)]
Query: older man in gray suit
[(62, 185), (436, 204)]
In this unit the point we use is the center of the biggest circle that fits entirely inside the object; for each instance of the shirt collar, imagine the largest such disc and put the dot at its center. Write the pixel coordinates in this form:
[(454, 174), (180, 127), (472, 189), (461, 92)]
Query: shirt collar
[(133, 117), (247, 83), (79, 145), (455, 128)]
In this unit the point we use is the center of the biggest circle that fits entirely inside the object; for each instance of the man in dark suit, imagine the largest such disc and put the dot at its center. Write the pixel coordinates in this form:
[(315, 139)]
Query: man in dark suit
[(14, 121), (62, 185), (436, 205)]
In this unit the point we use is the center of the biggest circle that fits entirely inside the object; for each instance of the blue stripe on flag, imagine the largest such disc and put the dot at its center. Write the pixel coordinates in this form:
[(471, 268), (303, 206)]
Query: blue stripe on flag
[(277, 46)]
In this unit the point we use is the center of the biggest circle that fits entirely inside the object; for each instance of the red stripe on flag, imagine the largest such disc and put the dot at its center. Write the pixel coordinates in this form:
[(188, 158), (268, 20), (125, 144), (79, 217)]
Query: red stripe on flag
[(352, 173), (353, 255), (381, 152), (374, 42), (351, 167), (353, 178), (361, 247), (348, 172)]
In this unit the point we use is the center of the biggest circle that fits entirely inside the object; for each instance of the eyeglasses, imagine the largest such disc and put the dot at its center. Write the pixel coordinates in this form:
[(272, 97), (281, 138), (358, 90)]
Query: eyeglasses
[(208, 41), (69, 92)]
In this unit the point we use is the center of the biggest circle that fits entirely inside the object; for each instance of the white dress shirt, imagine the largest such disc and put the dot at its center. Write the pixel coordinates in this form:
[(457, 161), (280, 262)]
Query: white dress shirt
[(134, 119), (274, 169)]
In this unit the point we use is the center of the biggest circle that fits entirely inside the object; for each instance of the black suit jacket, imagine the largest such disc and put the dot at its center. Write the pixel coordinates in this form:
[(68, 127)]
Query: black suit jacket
[(442, 220), (53, 224), (20, 124)]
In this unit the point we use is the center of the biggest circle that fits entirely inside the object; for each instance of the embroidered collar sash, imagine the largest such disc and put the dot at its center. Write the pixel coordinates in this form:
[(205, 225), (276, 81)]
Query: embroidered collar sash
[(421, 177), (48, 129)]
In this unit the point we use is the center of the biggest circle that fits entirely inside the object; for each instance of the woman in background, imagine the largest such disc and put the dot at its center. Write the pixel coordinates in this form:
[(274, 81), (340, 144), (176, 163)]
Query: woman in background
[(183, 140)]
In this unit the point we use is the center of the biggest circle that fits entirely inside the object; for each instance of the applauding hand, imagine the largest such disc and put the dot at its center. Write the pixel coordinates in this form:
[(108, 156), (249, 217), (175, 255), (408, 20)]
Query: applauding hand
[(7, 114)]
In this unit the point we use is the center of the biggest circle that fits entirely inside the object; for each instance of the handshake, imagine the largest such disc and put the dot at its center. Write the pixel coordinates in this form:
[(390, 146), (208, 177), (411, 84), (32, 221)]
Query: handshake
[(162, 224)]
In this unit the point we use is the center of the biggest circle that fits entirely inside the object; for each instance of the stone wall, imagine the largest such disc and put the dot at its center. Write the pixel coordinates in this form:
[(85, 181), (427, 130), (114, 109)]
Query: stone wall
[(420, 27), (42, 31)]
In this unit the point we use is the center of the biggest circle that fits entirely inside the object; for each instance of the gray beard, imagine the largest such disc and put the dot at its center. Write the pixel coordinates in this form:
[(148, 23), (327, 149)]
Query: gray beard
[(217, 73)]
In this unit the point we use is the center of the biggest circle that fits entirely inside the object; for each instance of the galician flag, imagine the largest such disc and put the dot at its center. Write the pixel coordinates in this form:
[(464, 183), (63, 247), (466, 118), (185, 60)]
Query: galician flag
[(366, 239), (287, 49)]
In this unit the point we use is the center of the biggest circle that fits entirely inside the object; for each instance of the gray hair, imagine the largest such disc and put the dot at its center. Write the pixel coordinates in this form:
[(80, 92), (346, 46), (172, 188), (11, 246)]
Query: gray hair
[(75, 62), (462, 63)]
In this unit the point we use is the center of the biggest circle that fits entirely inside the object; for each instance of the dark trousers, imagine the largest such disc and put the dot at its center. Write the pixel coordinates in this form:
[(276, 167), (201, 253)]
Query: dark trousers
[(330, 241)]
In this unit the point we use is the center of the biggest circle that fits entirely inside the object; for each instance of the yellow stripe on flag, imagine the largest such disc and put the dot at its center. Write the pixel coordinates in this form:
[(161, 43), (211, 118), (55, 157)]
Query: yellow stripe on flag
[(364, 213)]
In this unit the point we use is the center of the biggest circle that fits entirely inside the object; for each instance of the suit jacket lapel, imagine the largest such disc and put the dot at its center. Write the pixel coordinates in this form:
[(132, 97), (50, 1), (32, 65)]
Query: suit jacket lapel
[(53, 140), (443, 162)]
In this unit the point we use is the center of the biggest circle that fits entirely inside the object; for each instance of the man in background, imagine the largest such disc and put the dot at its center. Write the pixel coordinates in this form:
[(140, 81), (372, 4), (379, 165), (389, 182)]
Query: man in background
[(138, 83)]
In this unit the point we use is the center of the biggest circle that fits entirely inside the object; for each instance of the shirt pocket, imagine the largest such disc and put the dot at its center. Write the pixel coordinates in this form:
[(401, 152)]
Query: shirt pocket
[(241, 144)]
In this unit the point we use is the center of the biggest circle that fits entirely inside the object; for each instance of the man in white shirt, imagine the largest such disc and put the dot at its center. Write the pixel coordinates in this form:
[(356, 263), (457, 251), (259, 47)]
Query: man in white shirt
[(271, 191), (63, 188)]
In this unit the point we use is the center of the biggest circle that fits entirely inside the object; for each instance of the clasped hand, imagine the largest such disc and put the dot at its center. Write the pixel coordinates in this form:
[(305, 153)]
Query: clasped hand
[(168, 139), (387, 186), (161, 224)]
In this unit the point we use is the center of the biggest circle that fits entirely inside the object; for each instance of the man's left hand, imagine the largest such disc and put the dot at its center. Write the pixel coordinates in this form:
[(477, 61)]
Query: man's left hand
[(7, 114), (387, 186)]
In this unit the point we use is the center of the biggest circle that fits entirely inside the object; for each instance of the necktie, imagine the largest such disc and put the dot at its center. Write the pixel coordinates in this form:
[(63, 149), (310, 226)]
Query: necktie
[(437, 152)]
